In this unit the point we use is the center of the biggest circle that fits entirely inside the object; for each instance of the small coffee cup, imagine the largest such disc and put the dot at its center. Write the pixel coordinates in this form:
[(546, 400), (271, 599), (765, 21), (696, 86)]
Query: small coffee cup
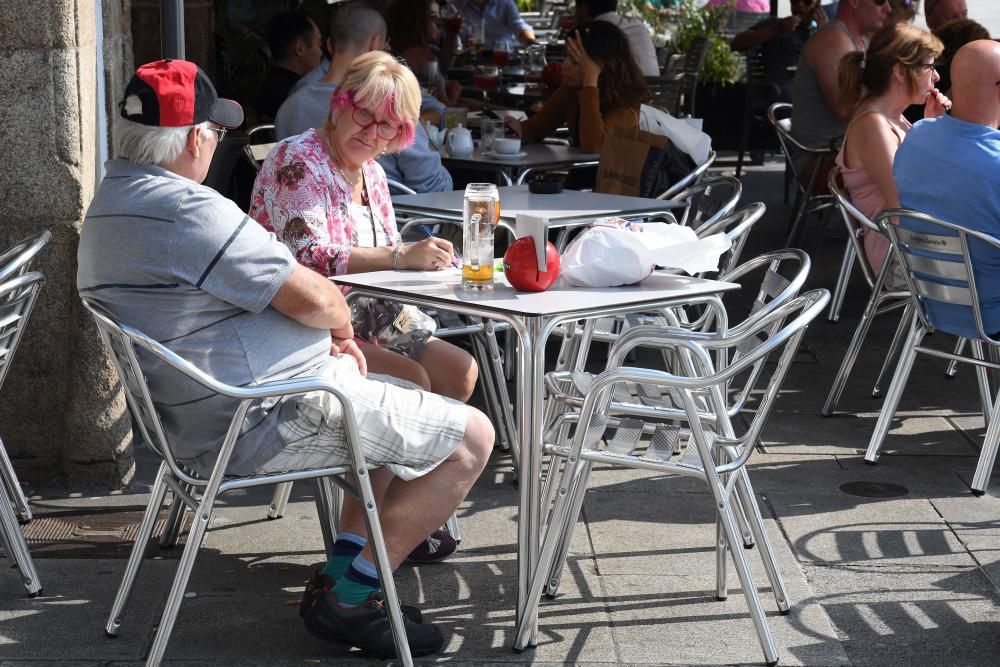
[(506, 145)]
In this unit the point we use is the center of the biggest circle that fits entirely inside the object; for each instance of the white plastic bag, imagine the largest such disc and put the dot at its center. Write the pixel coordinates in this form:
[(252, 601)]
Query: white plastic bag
[(685, 133), (609, 255)]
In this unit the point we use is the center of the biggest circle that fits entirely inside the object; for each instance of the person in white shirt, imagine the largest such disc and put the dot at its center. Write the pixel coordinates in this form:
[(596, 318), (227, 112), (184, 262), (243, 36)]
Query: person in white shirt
[(635, 31)]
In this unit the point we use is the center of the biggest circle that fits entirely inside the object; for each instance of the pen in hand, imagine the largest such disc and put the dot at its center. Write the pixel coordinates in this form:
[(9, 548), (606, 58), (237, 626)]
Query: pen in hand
[(455, 260)]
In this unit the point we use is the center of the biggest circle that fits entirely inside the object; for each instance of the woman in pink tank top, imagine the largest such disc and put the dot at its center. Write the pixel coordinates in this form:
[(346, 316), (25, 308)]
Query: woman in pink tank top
[(895, 72)]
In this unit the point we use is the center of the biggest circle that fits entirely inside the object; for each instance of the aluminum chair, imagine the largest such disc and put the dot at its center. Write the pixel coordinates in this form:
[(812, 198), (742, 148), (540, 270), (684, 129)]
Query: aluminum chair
[(395, 187), (939, 269), (16, 261), (882, 299), (17, 299), (708, 201), (256, 150), (125, 344), (807, 201), (705, 446), (691, 179)]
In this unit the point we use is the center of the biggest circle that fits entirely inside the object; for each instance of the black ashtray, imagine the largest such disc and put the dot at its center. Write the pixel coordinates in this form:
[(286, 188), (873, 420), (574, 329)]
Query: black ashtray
[(545, 186)]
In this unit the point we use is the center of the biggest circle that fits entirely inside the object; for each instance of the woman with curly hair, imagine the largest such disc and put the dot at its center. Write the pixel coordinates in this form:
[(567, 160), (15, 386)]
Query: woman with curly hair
[(602, 89)]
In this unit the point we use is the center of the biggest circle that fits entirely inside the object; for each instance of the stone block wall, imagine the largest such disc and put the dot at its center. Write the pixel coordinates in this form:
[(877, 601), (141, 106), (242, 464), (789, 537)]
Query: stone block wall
[(62, 416)]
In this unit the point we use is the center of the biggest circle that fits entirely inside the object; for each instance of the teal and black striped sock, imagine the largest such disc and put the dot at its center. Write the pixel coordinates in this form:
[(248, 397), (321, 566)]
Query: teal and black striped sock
[(360, 581), (345, 550)]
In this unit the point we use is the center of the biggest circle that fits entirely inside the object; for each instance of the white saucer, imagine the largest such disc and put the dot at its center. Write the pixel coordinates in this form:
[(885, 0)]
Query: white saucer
[(503, 156)]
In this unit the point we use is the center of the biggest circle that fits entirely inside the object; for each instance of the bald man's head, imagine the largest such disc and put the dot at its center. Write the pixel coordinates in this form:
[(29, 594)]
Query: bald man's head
[(975, 83)]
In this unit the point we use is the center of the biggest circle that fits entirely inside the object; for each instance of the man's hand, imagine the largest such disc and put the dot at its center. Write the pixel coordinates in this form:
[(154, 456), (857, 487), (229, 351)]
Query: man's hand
[(789, 23), (350, 347)]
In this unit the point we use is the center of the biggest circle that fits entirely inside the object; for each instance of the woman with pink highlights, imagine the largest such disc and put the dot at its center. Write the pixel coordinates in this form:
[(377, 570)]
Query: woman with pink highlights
[(324, 195)]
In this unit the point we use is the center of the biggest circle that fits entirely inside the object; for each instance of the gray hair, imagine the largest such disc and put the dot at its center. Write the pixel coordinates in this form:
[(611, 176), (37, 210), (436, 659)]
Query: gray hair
[(147, 144), (352, 24)]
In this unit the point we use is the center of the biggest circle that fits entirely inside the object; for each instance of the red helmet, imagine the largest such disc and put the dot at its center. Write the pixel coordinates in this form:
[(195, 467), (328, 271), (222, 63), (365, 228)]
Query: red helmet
[(520, 265)]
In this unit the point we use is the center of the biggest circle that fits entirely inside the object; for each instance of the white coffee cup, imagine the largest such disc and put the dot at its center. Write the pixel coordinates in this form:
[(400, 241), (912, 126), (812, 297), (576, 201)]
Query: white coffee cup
[(506, 145)]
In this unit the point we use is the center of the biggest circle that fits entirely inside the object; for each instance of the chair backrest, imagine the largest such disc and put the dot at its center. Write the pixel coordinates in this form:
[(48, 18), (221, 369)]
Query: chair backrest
[(855, 221), (938, 260), (736, 226), (708, 201), (17, 300), (260, 141), (667, 92), (120, 341), (17, 259), (398, 188), (691, 179), (766, 334)]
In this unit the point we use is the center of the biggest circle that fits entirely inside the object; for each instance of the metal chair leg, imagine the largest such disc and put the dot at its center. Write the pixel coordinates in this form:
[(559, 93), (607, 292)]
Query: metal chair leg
[(508, 423), (196, 535), (895, 393), (897, 342), (329, 497), (843, 278), (952, 368), (138, 549), (983, 381), (17, 496), (749, 501), (279, 503), (987, 457), (173, 524), (746, 581), (16, 548)]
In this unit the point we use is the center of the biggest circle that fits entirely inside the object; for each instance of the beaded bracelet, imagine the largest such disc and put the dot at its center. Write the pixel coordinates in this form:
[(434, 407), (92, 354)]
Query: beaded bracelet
[(397, 250)]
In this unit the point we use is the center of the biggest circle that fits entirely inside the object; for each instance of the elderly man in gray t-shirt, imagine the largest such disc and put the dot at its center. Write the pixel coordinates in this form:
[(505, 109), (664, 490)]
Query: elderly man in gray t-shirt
[(185, 266)]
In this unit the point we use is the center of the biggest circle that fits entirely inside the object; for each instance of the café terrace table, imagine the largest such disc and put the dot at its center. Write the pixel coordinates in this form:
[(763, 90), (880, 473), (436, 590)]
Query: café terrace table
[(532, 316), (515, 168), (567, 209)]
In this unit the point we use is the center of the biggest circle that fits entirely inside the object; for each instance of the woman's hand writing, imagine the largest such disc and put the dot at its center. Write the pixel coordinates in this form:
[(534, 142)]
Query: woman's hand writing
[(590, 70), (430, 254)]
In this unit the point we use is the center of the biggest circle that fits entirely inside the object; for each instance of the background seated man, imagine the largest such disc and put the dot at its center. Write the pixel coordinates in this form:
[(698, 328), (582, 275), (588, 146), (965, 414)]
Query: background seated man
[(296, 48), (947, 167), (781, 42), (357, 28), (222, 292), (939, 12)]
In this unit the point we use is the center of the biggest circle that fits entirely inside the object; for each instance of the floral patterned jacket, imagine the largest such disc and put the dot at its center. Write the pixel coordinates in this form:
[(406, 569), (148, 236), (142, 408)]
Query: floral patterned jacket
[(301, 197)]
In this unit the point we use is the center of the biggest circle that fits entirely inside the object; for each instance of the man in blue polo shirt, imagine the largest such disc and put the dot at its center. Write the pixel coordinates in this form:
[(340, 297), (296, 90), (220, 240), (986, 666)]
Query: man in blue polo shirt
[(949, 167)]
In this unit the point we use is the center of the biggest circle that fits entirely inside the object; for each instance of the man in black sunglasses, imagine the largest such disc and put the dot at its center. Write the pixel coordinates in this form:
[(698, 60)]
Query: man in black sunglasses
[(818, 115)]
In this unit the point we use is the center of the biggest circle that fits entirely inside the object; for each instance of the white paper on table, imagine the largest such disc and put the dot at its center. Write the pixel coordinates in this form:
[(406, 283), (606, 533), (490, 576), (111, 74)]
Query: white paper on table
[(609, 256), (537, 228)]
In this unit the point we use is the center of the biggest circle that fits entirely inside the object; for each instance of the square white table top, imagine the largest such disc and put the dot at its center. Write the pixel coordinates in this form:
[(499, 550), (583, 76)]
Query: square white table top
[(560, 209), (445, 287)]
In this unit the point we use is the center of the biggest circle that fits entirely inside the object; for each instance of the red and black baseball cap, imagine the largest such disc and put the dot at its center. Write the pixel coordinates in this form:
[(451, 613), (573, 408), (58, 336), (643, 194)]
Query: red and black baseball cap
[(176, 93)]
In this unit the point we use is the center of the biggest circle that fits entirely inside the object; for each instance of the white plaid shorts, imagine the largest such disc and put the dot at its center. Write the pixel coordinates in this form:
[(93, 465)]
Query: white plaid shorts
[(401, 427)]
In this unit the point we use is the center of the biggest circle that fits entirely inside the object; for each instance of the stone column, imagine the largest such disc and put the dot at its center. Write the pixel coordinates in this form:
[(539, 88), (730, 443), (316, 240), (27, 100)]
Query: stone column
[(61, 411)]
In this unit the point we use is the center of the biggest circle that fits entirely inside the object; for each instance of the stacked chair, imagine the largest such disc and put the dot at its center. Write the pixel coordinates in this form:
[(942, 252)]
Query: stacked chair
[(18, 292), (190, 490), (682, 421), (938, 263)]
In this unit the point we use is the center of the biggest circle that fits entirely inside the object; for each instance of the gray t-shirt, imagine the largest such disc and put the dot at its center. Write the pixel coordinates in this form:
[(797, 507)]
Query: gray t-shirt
[(187, 267), (304, 109)]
